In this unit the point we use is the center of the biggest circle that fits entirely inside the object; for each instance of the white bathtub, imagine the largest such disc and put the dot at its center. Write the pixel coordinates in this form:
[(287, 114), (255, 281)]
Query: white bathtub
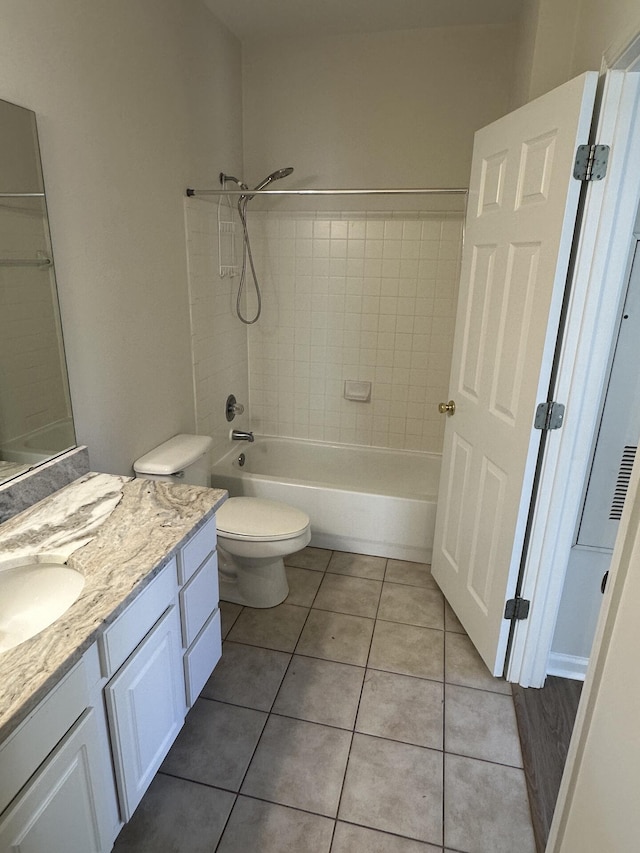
[(361, 499), (41, 444)]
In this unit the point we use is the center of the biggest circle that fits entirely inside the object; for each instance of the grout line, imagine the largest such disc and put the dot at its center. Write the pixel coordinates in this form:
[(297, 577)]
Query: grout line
[(355, 720), (444, 738), (235, 619)]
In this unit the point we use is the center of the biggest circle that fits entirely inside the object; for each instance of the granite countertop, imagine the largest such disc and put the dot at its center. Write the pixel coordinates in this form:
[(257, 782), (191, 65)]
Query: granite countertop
[(118, 533)]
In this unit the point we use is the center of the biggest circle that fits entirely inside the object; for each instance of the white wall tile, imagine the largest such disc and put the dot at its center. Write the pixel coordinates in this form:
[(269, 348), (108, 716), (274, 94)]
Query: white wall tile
[(371, 298)]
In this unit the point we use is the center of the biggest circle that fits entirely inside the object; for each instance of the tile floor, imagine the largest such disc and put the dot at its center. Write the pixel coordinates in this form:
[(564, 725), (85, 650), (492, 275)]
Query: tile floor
[(356, 716)]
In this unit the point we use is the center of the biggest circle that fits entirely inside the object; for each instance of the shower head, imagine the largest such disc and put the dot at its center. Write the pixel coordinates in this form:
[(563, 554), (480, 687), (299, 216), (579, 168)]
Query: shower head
[(274, 176), (226, 178)]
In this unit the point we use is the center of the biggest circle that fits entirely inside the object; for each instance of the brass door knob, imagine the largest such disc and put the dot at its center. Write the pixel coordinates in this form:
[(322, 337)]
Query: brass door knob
[(447, 408)]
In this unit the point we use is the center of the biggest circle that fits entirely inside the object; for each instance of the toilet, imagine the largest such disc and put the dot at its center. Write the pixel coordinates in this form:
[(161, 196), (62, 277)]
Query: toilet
[(254, 535)]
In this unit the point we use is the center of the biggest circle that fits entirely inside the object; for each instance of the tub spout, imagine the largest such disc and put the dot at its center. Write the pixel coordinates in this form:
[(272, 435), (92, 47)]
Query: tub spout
[(239, 435)]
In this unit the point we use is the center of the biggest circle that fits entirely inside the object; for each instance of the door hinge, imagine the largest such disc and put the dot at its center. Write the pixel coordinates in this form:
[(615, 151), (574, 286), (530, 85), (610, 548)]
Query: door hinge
[(591, 162), (549, 415), (517, 608)]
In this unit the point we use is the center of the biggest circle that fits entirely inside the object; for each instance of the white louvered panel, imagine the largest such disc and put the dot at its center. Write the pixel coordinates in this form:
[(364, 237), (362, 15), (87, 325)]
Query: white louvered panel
[(622, 483)]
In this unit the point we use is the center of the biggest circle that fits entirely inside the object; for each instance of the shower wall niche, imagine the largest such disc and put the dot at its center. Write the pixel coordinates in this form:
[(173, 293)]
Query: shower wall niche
[(354, 295)]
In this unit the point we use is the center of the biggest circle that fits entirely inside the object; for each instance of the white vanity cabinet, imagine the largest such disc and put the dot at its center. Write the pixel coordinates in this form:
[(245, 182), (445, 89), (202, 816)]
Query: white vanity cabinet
[(61, 810), (145, 699), (69, 805), (70, 774), (158, 655)]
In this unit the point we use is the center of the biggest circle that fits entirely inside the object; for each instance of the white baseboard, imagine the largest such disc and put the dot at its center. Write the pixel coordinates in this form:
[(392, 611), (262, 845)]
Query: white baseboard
[(567, 666)]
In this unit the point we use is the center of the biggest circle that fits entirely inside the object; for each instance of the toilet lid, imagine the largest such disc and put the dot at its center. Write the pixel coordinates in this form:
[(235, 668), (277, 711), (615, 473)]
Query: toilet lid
[(255, 518)]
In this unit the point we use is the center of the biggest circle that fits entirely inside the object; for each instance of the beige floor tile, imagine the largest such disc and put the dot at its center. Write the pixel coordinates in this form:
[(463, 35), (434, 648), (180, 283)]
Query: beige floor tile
[(464, 666), (481, 725), (401, 708), (413, 574), (344, 594), (349, 838), (486, 807), (299, 764), (451, 621), (272, 628), (176, 816), (269, 828), (412, 605), (303, 586), (408, 650), (247, 675), (357, 565), (310, 558), (336, 636), (394, 787), (228, 613), (320, 691), (215, 744)]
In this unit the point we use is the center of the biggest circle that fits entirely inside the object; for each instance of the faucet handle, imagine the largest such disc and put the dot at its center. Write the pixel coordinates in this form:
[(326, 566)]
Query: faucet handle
[(233, 408)]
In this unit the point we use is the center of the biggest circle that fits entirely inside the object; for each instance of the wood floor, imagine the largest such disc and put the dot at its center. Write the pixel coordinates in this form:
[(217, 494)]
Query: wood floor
[(545, 722)]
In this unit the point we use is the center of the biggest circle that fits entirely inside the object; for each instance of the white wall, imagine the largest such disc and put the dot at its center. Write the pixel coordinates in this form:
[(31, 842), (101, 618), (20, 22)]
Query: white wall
[(559, 39), (380, 109), (600, 811), (547, 36), (135, 101), (600, 27)]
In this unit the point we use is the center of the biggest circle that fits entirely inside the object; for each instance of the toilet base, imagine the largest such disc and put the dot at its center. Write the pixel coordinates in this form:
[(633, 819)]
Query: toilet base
[(252, 582)]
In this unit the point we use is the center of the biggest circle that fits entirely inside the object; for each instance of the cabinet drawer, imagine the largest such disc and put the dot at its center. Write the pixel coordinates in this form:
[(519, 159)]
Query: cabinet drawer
[(200, 660), (121, 638), (197, 549), (24, 750), (199, 599)]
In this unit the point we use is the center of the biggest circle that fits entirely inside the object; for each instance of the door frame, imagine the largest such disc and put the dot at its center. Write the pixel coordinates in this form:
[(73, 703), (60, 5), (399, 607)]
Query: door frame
[(597, 291)]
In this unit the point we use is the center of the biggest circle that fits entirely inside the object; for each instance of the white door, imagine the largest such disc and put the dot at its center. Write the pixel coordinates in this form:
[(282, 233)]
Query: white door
[(519, 229)]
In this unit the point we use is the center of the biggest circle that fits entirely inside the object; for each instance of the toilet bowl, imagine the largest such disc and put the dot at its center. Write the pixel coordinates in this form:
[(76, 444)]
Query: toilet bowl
[(254, 535)]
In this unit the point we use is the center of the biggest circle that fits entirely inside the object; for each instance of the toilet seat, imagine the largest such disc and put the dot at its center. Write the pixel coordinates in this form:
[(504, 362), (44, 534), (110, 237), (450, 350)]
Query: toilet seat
[(256, 519)]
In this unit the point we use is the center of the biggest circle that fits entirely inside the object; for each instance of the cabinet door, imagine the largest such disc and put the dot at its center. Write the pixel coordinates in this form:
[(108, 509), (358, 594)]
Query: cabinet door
[(60, 811), (146, 709)]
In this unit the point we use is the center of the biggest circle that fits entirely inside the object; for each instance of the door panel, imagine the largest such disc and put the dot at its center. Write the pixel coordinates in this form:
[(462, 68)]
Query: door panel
[(519, 229)]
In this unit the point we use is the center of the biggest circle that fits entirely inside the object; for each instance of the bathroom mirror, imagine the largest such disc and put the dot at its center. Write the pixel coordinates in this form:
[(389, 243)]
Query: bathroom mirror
[(35, 407)]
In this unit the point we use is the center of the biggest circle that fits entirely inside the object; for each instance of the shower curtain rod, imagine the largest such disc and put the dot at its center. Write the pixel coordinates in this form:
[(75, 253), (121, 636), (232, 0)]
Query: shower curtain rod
[(414, 191)]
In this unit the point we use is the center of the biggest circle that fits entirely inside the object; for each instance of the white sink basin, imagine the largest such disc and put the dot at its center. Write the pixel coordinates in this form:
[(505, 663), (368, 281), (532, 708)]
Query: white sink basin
[(34, 592)]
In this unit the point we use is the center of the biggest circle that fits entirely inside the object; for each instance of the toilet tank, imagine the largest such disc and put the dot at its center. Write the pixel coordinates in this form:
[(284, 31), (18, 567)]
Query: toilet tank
[(182, 459)]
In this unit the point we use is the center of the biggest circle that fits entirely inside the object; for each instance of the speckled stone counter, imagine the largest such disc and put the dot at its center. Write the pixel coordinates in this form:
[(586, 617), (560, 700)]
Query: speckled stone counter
[(118, 533)]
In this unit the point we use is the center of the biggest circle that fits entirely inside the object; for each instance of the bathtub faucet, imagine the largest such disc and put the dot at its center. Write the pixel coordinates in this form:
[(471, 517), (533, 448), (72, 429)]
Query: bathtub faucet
[(239, 435)]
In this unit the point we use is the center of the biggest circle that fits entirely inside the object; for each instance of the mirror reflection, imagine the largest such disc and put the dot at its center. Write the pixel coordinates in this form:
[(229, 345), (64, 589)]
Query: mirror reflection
[(35, 408)]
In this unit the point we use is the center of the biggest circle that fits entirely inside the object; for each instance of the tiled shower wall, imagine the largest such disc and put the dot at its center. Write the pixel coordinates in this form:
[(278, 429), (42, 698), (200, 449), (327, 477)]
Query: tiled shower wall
[(218, 338), (365, 296)]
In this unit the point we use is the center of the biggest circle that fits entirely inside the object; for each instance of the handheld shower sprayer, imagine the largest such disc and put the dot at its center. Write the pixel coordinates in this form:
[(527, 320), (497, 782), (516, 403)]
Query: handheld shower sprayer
[(274, 176), (243, 200)]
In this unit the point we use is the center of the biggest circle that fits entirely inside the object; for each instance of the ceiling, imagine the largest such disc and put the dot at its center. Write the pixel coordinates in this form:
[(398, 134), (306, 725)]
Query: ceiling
[(257, 19)]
